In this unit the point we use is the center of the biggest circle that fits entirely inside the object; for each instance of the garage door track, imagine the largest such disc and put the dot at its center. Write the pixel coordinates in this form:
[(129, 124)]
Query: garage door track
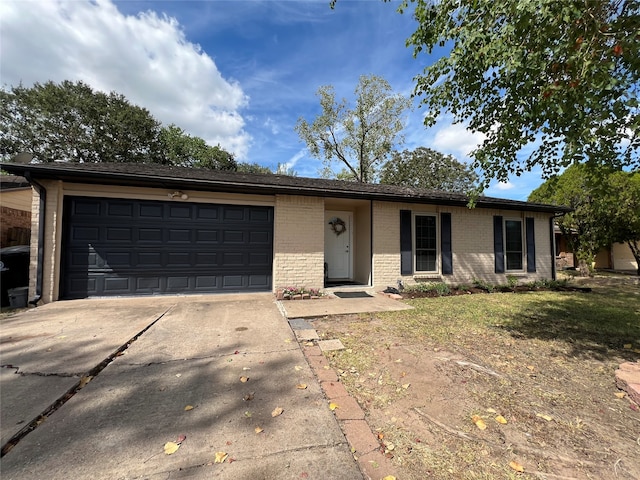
[(222, 377)]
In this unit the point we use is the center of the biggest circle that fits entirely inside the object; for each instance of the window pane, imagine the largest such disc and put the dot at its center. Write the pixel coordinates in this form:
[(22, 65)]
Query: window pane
[(513, 244), (514, 261), (425, 243)]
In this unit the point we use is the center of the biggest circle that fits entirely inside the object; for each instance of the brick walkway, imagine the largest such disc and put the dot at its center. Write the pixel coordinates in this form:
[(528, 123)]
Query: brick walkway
[(628, 379)]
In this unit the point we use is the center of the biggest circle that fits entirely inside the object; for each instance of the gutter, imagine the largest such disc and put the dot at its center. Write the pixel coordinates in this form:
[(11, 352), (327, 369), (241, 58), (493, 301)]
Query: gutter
[(42, 193)]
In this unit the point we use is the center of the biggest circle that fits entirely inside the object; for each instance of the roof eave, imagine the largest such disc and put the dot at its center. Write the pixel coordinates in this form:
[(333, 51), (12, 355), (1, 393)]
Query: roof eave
[(40, 171)]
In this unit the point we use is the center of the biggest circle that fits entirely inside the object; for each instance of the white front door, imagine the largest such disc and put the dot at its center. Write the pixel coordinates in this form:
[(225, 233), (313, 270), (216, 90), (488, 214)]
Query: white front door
[(338, 240)]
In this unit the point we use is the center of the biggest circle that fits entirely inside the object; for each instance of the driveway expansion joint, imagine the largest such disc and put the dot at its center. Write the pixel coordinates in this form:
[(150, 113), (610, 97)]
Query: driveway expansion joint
[(81, 383)]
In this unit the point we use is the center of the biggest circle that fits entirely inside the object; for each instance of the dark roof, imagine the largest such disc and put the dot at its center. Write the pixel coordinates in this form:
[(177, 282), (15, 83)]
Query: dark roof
[(8, 182), (163, 176)]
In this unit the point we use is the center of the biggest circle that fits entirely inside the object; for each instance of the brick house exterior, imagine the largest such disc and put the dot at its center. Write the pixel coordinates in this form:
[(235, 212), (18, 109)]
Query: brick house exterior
[(224, 231), (15, 211)]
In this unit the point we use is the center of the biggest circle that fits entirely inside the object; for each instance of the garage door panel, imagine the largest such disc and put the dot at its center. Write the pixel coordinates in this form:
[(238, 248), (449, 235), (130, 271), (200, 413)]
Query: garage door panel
[(119, 234), (148, 210), (180, 212), (120, 209), (140, 247)]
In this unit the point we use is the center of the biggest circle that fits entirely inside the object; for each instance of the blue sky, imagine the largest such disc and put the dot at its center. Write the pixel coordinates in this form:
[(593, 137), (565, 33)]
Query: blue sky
[(238, 73)]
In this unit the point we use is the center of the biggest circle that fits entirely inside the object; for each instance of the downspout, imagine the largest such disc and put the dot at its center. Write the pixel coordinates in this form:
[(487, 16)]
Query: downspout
[(42, 193), (552, 223)]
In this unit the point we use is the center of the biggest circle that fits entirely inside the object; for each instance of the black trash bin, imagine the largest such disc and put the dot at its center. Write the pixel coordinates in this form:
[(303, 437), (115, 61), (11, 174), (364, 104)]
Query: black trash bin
[(14, 270)]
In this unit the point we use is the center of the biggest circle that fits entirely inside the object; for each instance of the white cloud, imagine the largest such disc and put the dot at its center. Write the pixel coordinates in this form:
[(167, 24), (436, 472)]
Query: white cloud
[(146, 57), (504, 185), (457, 139)]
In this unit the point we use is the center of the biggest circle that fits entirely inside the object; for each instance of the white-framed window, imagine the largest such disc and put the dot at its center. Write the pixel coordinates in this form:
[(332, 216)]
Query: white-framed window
[(425, 243), (513, 244)]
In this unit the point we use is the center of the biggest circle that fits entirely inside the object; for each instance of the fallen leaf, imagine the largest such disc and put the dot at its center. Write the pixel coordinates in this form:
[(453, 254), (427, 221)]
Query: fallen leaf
[(389, 477), (181, 438), (228, 442), (479, 422), (248, 397), (516, 466), (620, 394), (178, 375), (627, 345), (277, 412), (491, 410), (247, 414), (301, 386), (188, 407), (548, 418), (298, 368), (531, 367), (390, 446), (326, 367), (406, 385), (171, 448), (245, 368), (308, 344), (236, 352), (84, 380), (244, 379), (220, 457), (333, 406), (380, 436), (501, 419), (288, 340), (259, 430)]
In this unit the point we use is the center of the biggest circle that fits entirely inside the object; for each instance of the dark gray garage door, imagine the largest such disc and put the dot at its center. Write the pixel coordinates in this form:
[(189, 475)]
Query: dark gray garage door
[(140, 247)]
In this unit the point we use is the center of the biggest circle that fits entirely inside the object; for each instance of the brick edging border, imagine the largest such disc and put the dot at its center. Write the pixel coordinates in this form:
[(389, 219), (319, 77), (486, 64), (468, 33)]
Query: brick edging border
[(364, 444)]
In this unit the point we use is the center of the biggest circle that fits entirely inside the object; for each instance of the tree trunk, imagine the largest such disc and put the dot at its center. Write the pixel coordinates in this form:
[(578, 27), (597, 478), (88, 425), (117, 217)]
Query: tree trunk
[(635, 249)]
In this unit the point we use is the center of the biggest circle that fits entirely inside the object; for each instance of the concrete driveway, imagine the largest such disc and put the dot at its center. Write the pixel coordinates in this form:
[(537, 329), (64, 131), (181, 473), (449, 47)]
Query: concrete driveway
[(168, 353)]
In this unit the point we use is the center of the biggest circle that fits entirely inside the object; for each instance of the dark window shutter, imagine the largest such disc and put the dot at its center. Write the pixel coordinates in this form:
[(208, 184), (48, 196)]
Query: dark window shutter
[(531, 244), (406, 256), (445, 243), (498, 247)]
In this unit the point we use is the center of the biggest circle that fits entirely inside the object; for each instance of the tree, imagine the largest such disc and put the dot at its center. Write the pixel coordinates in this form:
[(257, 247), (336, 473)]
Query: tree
[(71, 122), (253, 168), (358, 138), (560, 78), (605, 209), (426, 168), (180, 148)]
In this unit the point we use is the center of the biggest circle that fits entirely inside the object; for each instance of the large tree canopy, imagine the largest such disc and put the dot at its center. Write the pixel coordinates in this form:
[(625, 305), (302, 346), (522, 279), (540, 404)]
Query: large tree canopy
[(556, 79), (426, 168), (606, 209), (71, 122), (359, 139), (180, 148)]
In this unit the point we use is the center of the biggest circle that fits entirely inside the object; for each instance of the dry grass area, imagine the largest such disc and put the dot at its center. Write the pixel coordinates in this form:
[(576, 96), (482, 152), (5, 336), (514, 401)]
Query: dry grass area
[(543, 361)]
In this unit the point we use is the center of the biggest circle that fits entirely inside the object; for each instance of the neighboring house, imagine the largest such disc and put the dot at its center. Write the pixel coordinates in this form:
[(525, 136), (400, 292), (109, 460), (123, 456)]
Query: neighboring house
[(15, 211), (134, 229), (617, 256)]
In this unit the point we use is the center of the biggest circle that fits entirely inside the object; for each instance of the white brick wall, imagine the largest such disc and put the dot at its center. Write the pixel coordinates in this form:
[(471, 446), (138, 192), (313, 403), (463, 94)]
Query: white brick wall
[(472, 242), (298, 242)]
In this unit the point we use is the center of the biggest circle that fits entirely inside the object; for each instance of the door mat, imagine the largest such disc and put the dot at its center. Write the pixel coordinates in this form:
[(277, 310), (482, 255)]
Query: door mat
[(352, 295)]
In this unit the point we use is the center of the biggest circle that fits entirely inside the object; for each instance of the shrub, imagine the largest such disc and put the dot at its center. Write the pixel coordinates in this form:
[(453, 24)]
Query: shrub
[(483, 285), (440, 288)]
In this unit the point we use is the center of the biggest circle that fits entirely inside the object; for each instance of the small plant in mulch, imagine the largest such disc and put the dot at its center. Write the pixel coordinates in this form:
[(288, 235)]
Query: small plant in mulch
[(441, 289)]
